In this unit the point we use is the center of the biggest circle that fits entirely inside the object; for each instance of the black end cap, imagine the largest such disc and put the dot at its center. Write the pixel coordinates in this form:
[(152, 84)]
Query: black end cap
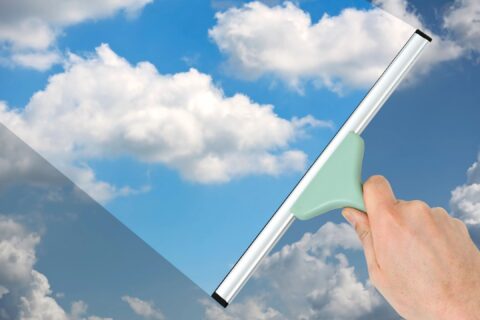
[(220, 300), (424, 35)]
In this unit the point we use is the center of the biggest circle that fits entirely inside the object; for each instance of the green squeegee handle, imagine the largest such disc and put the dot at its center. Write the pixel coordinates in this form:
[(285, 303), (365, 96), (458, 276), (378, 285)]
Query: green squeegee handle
[(337, 184)]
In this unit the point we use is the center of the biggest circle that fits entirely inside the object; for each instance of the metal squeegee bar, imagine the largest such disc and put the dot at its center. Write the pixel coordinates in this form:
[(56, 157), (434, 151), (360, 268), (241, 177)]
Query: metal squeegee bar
[(357, 122)]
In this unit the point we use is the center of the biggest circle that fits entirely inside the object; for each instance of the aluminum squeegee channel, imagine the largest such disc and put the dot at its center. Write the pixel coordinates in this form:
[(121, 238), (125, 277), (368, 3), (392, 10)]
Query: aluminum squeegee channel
[(357, 122)]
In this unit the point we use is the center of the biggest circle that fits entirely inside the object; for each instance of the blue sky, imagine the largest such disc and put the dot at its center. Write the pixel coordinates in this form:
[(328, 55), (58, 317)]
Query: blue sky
[(424, 140), (203, 228)]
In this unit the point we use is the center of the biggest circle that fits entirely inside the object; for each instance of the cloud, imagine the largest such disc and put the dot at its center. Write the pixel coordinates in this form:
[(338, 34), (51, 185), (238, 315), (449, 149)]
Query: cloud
[(19, 165), (79, 312), (29, 29), (37, 60), (463, 21), (346, 51), (465, 199), (25, 293), (102, 107), (309, 279), (252, 308), (143, 308), (440, 50), (226, 4)]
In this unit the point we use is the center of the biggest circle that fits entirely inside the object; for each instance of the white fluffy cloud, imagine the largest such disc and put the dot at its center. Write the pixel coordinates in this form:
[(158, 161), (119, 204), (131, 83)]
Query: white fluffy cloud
[(36, 60), (101, 107), (79, 312), (463, 20), (465, 200), (145, 309), (29, 28), (441, 49), (309, 279), (349, 50), (25, 293)]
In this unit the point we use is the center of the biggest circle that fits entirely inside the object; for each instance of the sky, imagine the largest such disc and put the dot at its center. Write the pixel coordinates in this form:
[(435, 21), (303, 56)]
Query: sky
[(174, 152), (78, 262)]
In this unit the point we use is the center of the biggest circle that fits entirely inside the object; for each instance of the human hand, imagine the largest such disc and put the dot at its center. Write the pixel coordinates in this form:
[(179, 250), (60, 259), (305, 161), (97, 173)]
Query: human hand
[(420, 259)]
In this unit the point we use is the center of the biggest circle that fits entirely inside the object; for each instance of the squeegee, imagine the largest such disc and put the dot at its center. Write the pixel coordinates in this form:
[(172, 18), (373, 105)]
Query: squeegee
[(207, 170), (334, 179)]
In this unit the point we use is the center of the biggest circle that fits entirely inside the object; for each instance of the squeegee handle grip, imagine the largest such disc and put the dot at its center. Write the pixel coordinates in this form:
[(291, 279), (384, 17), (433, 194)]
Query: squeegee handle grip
[(337, 184)]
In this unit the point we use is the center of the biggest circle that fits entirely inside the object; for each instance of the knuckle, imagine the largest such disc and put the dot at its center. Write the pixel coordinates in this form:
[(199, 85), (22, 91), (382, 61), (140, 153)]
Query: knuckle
[(439, 211), (419, 206), (460, 224), (440, 214), (362, 232), (387, 208)]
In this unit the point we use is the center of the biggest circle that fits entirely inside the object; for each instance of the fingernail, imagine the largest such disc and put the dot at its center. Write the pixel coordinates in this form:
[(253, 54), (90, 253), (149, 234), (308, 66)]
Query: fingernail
[(348, 215)]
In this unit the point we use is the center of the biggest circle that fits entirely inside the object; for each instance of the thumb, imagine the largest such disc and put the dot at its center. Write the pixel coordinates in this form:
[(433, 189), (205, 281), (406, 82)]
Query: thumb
[(359, 220)]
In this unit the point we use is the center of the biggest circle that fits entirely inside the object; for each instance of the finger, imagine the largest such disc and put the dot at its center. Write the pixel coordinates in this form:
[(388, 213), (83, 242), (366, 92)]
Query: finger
[(378, 195), (440, 213), (359, 220)]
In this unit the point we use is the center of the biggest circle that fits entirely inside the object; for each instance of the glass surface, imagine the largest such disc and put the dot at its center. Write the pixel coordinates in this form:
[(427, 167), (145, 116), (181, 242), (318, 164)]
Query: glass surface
[(195, 149)]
